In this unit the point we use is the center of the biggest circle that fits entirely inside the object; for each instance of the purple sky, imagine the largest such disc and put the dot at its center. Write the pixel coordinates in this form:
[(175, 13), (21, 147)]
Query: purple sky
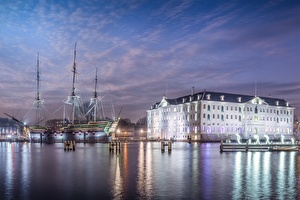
[(146, 49)]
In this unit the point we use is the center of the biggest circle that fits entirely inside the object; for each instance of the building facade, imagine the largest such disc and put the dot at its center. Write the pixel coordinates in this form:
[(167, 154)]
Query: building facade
[(9, 128), (216, 116)]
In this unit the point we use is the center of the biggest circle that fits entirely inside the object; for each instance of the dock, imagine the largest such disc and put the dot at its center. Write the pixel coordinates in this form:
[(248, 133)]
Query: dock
[(228, 146), (232, 147)]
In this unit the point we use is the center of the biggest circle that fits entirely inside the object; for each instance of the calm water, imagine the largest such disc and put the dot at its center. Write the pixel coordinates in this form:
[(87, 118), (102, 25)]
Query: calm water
[(142, 171)]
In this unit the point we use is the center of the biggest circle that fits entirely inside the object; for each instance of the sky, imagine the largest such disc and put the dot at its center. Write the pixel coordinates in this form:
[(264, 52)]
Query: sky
[(145, 49)]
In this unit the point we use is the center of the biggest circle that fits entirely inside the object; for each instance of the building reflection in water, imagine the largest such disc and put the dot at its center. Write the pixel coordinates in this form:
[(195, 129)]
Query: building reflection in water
[(264, 175), (117, 189), (266, 170), (25, 170), (13, 165), (286, 175), (144, 176), (8, 180), (238, 175)]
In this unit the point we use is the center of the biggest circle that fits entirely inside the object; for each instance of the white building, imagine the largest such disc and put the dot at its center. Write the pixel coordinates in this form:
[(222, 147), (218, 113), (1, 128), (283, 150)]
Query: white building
[(211, 115)]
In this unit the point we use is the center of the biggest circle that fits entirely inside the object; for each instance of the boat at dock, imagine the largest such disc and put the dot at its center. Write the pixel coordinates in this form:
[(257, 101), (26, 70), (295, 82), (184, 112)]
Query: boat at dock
[(82, 127), (94, 129)]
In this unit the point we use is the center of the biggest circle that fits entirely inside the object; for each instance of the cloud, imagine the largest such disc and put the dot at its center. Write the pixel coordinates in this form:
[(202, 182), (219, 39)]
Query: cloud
[(145, 49)]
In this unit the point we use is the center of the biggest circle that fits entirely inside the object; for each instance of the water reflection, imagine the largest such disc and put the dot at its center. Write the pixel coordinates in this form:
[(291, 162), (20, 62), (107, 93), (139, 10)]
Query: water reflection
[(8, 180), (144, 176), (264, 175), (238, 175), (25, 170), (141, 171), (118, 183)]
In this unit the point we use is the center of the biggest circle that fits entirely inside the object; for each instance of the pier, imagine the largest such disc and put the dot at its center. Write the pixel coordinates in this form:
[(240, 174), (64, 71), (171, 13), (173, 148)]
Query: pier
[(257, 145)]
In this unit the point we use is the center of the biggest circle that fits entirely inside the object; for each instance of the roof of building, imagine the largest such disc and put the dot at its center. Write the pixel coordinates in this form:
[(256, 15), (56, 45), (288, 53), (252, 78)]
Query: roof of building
[(221, 96)]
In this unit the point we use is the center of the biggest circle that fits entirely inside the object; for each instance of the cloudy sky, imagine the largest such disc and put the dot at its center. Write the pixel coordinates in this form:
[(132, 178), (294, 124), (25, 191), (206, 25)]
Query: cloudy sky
[(145, 49)]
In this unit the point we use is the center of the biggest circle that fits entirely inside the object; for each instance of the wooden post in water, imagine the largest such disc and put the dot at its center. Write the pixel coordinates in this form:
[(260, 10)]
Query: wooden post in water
[(162, 146), (169, 146)]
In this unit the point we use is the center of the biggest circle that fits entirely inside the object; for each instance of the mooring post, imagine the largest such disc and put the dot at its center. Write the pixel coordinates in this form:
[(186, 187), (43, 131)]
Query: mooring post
[(163, 146), (169, 146)]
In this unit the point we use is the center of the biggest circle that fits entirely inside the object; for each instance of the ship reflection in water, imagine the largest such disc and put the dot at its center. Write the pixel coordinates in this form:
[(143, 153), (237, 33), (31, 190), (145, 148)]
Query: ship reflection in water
[(141, 171)]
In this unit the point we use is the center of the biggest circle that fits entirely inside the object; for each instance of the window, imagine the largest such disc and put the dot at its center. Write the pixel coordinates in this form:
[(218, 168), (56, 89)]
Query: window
[(208, 107)]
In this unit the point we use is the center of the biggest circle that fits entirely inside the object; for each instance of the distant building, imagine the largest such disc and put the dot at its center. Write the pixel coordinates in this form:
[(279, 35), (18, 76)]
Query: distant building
[(9, 127), (211, 115)]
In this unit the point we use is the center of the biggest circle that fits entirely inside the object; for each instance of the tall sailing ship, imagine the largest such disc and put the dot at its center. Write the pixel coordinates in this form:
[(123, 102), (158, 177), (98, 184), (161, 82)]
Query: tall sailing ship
[(95, 130), (92, 130)]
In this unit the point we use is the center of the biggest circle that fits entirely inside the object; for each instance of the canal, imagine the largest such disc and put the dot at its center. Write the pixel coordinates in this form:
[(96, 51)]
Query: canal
[(140, 170)]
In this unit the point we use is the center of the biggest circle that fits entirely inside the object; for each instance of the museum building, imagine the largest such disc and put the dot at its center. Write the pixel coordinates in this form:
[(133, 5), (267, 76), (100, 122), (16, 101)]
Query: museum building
[(216, 116)]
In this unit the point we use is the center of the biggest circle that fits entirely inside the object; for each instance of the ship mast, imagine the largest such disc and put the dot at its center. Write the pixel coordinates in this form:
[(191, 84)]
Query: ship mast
[(95, 100), (95, 97), (73, 99), (38, 103), (73, 85)]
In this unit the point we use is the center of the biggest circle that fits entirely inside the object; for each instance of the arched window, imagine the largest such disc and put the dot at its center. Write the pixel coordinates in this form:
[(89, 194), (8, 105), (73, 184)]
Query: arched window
[(208, 130)]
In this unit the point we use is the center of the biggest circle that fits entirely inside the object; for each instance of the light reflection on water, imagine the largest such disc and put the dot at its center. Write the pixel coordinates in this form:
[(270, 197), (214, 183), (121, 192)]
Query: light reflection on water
[(141, 171)]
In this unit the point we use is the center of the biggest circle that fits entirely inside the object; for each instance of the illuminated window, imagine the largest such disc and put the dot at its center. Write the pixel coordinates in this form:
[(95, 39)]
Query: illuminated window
[(255, 118)]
